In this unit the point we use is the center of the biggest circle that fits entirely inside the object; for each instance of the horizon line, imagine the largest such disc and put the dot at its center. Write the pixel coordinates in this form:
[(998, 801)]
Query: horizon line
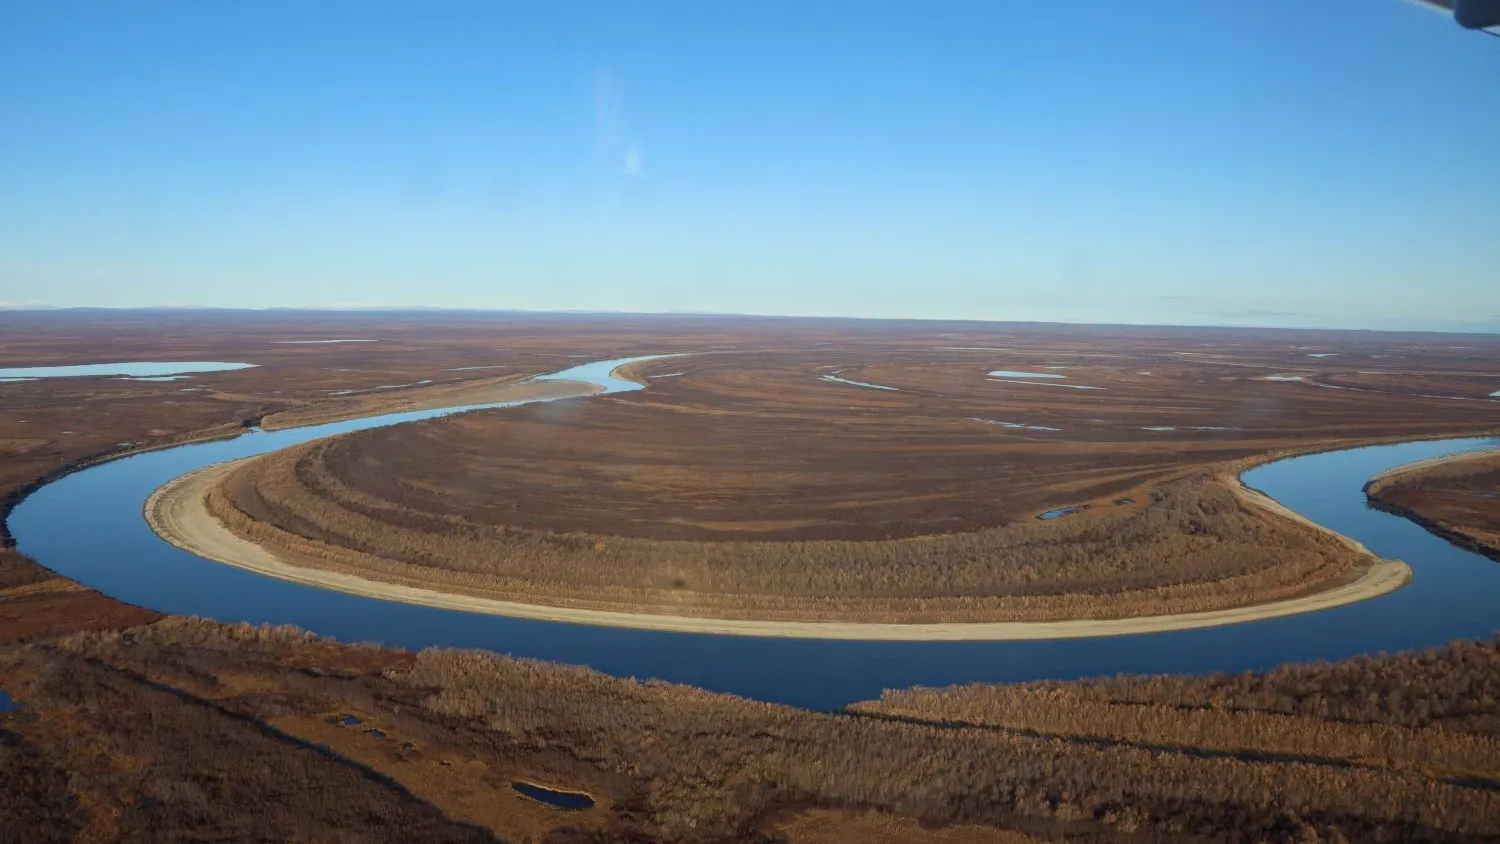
[(1478, 328)]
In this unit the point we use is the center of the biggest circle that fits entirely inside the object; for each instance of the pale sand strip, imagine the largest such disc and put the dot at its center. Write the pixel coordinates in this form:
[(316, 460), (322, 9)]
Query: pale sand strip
[(177, 513)]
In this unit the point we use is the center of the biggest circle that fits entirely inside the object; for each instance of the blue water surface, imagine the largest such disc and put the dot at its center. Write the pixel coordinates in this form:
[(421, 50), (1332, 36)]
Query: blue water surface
[(135, 369)]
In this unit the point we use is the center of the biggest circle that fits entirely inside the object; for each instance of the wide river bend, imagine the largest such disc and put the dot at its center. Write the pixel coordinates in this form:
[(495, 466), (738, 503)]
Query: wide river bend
[(88, 526)]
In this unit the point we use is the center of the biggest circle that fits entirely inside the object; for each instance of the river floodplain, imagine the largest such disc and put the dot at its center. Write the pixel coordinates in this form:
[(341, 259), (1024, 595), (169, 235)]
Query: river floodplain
[(716, 379)]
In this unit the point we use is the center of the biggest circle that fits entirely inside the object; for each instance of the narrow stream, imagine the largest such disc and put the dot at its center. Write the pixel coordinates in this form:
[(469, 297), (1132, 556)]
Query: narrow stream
[(89, 527)]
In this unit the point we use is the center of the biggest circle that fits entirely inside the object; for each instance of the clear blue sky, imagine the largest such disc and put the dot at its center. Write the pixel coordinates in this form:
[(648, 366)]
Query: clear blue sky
[(1324, 162)]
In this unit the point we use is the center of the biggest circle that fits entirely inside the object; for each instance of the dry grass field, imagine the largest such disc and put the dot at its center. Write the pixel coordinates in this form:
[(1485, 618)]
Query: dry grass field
[(1305, 754), (136, 727), (1194, 546)]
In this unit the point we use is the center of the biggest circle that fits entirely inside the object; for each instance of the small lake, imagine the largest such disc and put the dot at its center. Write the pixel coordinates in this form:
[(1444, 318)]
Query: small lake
[(7, 703), (569, 801), (132, 369), (1017, 373), (1454, 594)]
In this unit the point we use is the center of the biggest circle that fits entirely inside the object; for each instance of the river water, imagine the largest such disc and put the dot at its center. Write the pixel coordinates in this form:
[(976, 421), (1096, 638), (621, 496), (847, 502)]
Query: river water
[(89, 527)]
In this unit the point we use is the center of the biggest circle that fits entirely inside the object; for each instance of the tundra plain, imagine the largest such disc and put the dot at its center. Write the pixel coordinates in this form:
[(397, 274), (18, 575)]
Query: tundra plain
[(136, 726), (893, 479)]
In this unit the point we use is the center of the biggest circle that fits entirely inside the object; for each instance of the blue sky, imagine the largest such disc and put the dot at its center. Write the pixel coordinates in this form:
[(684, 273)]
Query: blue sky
[(1326, 162)]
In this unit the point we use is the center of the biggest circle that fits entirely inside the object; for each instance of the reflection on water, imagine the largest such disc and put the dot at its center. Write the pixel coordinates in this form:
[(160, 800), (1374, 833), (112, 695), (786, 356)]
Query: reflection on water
[(1453, 596), (135, 369)]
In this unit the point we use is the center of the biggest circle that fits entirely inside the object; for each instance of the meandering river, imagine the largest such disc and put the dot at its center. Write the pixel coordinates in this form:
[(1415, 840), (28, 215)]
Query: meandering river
[(89, 527)]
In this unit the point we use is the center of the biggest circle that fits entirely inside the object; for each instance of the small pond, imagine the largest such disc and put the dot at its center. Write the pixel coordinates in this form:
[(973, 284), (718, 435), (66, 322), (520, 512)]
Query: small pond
[(1017, 373), (571, 801)]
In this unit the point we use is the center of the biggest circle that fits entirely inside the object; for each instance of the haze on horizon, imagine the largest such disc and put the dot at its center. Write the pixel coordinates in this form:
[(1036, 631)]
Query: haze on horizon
[(1284, 162)]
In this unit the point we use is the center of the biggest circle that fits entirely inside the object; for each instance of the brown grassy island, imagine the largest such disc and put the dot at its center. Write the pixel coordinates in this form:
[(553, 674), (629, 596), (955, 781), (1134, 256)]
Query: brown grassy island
[(1457, 498), (181, 512), (747, 495), (187, 729)]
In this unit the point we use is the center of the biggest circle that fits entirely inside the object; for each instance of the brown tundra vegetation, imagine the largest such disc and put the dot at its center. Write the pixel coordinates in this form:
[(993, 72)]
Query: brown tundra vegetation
[(1194, 545), (750, 483), (1395, 748), (759, 445), (155, 729), (1458, 499)]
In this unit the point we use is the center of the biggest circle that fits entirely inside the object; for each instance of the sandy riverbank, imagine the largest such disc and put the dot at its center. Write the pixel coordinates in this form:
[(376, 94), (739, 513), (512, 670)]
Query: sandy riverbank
[(177, 513)]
